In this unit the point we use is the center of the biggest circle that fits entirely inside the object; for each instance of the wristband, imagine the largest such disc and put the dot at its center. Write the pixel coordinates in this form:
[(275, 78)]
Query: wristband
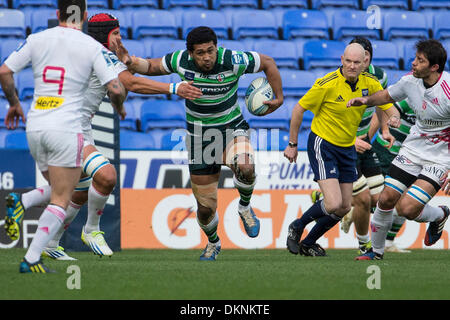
[(173, 87), (292, 145)]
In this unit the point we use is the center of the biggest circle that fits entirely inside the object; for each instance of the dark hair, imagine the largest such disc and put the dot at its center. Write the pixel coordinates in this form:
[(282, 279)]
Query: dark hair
[(64, 13), (434, 52), (365, 43), (200, 35)]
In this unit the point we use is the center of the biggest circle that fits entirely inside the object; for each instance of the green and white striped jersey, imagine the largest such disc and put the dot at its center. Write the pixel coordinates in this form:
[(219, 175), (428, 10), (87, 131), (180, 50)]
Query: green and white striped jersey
[(370, 110), (218, 106)]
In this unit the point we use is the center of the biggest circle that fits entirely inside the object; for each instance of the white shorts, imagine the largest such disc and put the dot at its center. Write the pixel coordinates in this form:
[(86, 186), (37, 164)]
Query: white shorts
[(56, 148), (408, 162), (88, 138)]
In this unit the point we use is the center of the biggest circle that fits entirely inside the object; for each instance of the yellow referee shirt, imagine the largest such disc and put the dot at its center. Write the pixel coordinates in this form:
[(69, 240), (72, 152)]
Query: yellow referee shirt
[(328, 98)]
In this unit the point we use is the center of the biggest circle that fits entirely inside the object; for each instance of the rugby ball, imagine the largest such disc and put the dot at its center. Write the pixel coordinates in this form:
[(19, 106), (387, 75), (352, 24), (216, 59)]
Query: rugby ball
[(257, 92)]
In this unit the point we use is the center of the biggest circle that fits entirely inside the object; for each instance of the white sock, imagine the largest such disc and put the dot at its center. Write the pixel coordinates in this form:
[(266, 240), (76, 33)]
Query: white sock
[(363, 239), (37, 197), (71, 213), (96, 204), (430, 214), (49, 222), (380, 225)]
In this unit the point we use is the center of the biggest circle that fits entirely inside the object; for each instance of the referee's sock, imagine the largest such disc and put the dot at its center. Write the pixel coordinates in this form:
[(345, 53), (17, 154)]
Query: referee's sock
[(323, 224), (316, 211)]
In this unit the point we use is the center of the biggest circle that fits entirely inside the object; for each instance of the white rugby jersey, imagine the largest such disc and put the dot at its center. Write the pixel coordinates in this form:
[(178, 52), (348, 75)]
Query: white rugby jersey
[(429, 138), (97, 91), (63, 60)]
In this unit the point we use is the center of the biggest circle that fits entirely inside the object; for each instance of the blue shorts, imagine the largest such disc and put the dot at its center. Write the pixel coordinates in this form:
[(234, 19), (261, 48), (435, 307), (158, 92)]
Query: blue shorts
[(329, 161)]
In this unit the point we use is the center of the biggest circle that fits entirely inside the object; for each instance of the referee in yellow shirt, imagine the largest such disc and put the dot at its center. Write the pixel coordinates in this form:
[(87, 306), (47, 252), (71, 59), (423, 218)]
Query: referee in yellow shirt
[(331, 149)]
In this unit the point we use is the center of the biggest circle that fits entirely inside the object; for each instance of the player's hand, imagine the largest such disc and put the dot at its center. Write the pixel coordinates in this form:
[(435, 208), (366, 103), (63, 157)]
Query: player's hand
[(121, 52), (389, 138), (446, 185), (273, 105), (187, 91), (356, 102), (291, 154), (362, 146), (13, 115), (394, 122)]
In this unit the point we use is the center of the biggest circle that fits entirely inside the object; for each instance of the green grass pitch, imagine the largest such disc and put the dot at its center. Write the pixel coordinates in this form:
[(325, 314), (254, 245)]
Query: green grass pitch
[(236, 275)]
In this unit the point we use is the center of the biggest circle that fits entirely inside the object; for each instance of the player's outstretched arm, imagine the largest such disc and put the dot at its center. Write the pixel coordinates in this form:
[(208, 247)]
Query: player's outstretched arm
[(377, 99), (15, 111), (291, 152), (269, 67)]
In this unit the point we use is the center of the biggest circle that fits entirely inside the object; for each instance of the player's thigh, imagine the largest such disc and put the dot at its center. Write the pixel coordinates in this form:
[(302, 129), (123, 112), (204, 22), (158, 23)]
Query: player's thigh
[(332, 196)]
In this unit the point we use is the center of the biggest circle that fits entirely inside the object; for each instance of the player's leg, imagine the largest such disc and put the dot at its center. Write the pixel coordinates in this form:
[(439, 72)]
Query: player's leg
[(104, 177), (204, 188), (239, 156)]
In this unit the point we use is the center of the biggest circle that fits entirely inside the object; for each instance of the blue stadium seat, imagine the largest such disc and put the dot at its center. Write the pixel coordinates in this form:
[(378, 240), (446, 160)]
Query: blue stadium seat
[(12, 23), (160, 47), (162, 114), (213, 19), (319, 4), (322, 54), (271, 139), (99, 4), (279, 119), (39, 19), (296, 82), (307, 115), (131, 140), (3, 3), (234, 45), (219, 4), (446, 45), (270, 4), (120, 4), (404, 24), (441, 26), (305, 24), (19, 4), (167, 4), (385, 55), (173, 140), (7, 46), (16, 140), (135, 48), (163, 78), (256, 23), (284, 52), (350, 23), (409, 55), (400, 4), (153, 23), (25, 80), (393, 76), (418, 5), (4, 105), (130, 120)]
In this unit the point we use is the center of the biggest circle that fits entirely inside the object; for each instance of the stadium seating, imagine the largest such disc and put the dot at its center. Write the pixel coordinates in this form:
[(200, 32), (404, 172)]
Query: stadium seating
[(25, 81), (418, 5), (441, 25), (3, 3), (130, 120), (12, 23), (213, 19), (409, 55), (130, 140), (282, 51), (322, 54), (320, 4), (399, 4), (16, 140), (279, 119), (4, 105), (188, 4), (296, 82), (162, 114), (271, 4), (220, 4), (394, 76), (160, 47), (235, 45), (256, 23), (7, 46), (404, 24), (19, 4), (135, 48), (39, 19), (153, 23), (305, 24), (350, 23), (120, 4), (385, 55), (174, 140)]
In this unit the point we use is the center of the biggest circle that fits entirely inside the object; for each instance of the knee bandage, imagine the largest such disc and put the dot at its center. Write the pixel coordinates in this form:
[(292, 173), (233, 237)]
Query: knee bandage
[(376, 184), (360, 185), (419, 194), (83, 184), (206, 195), (394, 184), (93, 163)]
